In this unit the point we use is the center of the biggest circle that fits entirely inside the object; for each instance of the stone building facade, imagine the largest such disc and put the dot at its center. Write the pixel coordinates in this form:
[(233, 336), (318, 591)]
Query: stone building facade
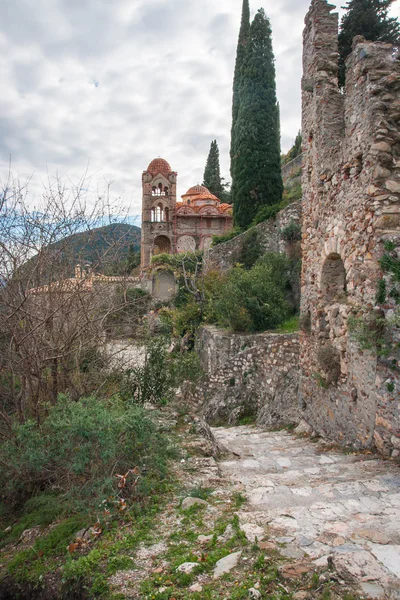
[(351, 207), (173, 227)]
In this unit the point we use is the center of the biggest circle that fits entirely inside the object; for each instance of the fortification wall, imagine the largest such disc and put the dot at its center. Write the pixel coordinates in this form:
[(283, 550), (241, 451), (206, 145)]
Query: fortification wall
[(249, 375), (351, 206), (225, 256)]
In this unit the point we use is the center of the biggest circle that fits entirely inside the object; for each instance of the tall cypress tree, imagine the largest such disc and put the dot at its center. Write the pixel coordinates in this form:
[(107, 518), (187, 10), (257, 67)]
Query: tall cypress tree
[(368, 18), (244, 34), (257, 178), (212, 173)]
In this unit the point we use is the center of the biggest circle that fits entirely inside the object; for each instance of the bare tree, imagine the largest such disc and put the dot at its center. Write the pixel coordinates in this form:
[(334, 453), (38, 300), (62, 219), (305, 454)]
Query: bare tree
[(53, 313)]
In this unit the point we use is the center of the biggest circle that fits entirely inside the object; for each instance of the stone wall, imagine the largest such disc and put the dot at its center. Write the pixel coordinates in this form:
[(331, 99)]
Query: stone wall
[(224, 256), (351, 206), (292, 169), (248, 375)]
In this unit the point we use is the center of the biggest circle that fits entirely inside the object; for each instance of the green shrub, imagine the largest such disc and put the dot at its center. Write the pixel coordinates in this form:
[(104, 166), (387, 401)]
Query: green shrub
[(251, 249), (153, 381), (267, 212), (254, 300), (292, 232), (78, 450), (221, 239)]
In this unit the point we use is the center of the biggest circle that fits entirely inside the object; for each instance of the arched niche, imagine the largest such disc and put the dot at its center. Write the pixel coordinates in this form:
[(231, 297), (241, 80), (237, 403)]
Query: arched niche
[(162, 245), (186, 243), (333, 280)]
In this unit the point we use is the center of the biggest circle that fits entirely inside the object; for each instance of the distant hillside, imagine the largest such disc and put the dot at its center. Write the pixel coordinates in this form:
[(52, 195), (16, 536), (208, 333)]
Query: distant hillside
[(102, 247)]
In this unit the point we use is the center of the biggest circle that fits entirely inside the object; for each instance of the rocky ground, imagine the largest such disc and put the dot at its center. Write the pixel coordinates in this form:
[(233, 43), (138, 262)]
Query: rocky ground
[(275, 517), (249, 513)]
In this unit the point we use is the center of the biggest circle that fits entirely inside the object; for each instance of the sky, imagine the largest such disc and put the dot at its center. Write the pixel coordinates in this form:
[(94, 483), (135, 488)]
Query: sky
[(105, 86)]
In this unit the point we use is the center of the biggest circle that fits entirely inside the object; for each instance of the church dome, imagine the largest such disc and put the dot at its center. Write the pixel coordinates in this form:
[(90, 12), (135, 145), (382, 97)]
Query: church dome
[(159, 165), (197, 190)]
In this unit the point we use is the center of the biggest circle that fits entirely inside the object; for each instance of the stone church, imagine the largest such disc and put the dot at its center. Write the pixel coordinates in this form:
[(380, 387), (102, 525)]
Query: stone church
[(173, 227)]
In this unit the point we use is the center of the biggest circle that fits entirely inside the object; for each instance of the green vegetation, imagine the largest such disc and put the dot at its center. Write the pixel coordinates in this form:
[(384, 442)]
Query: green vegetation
[(78, 450), (294, 151), (292, 232), (255, 299), (227, 237), (251, 249), (370, 19), (256, 164), (212, 173), (243, 40)]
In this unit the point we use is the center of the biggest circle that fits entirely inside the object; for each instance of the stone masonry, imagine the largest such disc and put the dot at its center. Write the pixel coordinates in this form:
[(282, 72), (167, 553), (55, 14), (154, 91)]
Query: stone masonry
[(248, 375), (351, 206), (224, 256)]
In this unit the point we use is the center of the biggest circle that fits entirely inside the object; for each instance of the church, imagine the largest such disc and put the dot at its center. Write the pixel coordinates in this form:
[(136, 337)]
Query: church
[(173, 227)]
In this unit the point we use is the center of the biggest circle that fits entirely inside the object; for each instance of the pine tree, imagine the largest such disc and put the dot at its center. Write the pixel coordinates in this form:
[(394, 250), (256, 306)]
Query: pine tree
[(240, 56), (257, 178), (368, 18), (212, 174)]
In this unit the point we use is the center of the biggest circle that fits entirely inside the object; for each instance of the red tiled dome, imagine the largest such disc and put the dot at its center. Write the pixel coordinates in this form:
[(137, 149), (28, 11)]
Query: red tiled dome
[(159, 165), (196, 190)]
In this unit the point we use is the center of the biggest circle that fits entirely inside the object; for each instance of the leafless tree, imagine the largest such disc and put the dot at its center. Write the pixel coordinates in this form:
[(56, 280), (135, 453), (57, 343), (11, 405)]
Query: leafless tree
[(53, 314)]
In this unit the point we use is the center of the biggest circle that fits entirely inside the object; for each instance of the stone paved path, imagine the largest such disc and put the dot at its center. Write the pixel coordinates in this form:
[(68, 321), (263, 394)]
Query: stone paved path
[(335, 508)]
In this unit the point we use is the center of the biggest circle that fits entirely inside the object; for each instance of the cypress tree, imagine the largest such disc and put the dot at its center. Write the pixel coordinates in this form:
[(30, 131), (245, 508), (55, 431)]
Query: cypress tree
[(237, 78), (368, 18), (212, 173), (257, 178)]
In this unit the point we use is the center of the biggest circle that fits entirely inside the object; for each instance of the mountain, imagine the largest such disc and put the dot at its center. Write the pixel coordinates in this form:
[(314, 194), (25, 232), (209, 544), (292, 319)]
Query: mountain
[(105, 248)]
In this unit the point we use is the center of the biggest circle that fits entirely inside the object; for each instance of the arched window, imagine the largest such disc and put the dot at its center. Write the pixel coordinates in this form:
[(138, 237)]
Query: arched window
[(188, 201), (166, 214), (154, 191), (160, 188), (333, 280), (153, 215), (166, 190)]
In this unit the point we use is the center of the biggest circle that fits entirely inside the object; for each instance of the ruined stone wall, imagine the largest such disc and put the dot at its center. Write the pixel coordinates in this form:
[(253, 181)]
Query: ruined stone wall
[(292, 169), (248, 375), (351, 206), (224, 256)]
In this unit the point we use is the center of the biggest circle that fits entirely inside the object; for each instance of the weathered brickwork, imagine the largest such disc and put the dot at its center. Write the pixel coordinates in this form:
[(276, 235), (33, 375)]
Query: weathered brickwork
[(226, 255), (248, 375), (173, 227), (351, 206)]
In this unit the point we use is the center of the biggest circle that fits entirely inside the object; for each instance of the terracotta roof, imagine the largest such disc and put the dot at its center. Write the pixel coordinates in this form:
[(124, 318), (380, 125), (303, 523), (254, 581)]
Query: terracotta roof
[(159, 165), (222, 208), (196, 190)]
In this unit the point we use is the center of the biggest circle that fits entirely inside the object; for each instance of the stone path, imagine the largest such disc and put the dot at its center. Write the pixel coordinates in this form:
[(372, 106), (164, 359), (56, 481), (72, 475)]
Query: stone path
[(339, 509)]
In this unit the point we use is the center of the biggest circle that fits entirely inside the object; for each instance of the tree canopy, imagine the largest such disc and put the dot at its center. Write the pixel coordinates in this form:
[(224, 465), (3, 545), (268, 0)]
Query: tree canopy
[(212, 173), (370, 19), (257, 178), (244, 34)]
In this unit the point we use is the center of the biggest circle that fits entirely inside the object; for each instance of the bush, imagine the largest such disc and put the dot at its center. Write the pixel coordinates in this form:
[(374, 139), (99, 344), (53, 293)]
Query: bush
[(292, 232), (153, 382), (221, 239), (251, 249), (254, 300), (78, 450)]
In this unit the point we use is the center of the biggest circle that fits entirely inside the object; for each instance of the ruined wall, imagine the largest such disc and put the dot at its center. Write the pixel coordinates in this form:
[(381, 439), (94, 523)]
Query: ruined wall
[(224, 256), (292, 169), (248, 375), (351, 206)]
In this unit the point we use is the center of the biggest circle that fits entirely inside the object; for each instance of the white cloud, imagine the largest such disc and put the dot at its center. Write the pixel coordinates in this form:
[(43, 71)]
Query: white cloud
[(119, 82)]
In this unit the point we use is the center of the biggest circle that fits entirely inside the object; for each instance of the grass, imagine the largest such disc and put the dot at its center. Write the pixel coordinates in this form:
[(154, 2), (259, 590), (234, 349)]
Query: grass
[(292, 325)]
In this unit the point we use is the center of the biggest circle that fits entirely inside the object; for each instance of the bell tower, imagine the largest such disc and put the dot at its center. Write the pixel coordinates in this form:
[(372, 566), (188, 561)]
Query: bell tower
[(158, 211)]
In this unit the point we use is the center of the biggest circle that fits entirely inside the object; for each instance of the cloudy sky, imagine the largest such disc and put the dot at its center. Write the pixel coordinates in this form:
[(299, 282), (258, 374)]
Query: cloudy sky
[(115, 83)]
